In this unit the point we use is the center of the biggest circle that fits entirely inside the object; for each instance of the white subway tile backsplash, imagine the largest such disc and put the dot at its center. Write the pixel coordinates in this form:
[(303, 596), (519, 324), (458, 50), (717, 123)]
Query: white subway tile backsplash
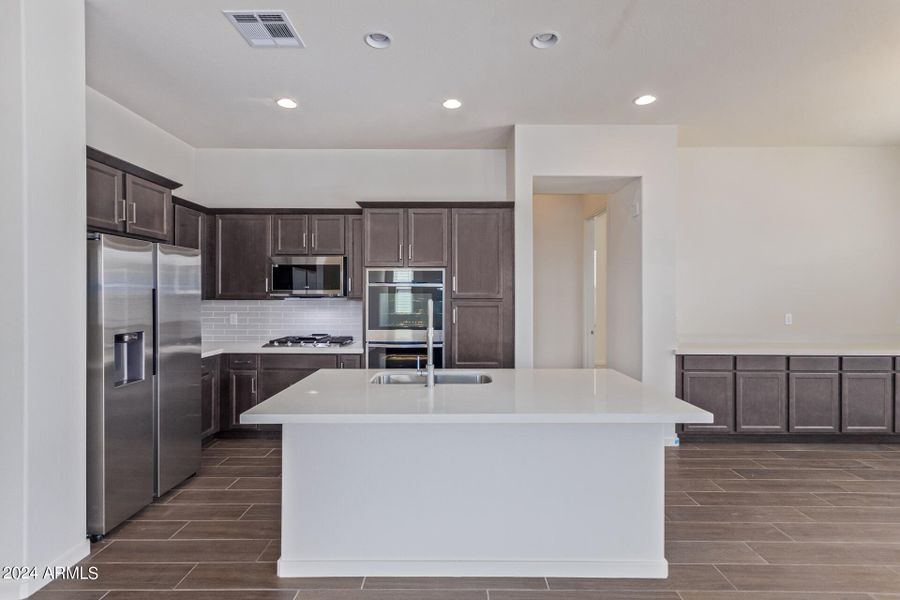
[(262, 320)]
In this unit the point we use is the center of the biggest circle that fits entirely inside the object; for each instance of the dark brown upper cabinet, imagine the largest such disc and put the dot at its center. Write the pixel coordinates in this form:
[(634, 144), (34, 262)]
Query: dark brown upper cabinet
[(481, 333), (290, 234), (355, 271), (148, 208), (308, 234), (385, 239), (428, 237), (481, 263), (188, 227), (242, 256), (326, 234), (105, 197), (406, 237)]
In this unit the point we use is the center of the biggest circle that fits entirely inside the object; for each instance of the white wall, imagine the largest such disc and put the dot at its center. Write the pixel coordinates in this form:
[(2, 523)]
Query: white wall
[(558, 280), (624, 336), (601, 243), (810, 231), (117, 130), (340, 178), (42, 115), (606, 151)]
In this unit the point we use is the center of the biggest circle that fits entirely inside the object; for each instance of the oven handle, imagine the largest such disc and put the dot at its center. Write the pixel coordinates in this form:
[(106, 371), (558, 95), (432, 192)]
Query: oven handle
[(373, 284), (390, 345)]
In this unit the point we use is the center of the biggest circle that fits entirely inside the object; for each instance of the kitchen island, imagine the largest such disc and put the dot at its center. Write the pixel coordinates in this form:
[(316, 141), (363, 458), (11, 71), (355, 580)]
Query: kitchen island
[(546, 472)]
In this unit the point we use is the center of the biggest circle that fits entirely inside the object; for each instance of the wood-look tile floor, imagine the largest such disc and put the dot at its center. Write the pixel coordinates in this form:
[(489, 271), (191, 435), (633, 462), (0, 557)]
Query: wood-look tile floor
[(743, 522)]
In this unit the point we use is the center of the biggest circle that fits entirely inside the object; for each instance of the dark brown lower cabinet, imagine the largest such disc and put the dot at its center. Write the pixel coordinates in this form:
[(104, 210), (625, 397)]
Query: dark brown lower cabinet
[(867, 402), (209, 396), (712, 391), (243, 393), (349, 361), (761, 401), (897, 401), (481, 334), (814, 402), (278, 372), (253, 378)]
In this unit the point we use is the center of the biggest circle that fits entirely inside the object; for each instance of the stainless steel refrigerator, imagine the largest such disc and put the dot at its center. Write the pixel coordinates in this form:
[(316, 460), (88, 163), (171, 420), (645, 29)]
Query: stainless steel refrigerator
[(143, 379)]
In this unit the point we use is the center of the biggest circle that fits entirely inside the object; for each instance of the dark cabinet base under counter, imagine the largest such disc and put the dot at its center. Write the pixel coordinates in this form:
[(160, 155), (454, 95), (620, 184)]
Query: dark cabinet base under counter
[(233, 382), (792, 397)]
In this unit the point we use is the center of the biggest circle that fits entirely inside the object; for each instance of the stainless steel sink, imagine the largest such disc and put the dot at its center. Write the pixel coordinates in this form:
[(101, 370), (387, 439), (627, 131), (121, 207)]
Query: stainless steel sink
[(454, 378)]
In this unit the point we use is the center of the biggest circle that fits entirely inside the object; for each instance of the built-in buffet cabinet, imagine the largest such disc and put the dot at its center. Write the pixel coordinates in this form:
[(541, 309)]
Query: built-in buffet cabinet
[(233, 383), (792, 394)]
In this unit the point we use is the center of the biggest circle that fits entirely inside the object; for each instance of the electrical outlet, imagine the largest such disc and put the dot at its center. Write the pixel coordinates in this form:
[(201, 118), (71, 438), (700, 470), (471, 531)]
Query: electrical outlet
[(232, 318), (788, 318)]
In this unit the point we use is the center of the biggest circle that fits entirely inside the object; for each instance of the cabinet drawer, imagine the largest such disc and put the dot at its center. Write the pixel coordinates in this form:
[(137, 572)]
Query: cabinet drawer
[(867, 363), (243, 361), (814, 363), (297, 361), (761, 363), (708, 363)]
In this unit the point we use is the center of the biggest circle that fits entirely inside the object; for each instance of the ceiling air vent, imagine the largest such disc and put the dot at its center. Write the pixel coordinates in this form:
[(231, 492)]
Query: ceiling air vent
[(265, 28)]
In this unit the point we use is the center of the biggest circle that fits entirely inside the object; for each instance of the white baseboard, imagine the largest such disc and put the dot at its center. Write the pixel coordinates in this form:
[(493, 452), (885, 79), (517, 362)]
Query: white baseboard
[(25, 588), (472, 568)]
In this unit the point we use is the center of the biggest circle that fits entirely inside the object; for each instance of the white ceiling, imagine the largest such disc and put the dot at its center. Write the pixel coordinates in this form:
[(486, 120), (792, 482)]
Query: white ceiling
[(729, 72)]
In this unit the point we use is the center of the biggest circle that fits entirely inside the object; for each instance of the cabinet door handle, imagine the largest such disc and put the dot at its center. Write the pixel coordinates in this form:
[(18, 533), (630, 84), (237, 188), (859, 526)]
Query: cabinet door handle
[(349, 285), (313, 240), (341, 365), (253, 385), (124, 216), (267, 285), (453, 279), (133, 212), (304, 240), (409, 251), (400, 253), (454, 315)]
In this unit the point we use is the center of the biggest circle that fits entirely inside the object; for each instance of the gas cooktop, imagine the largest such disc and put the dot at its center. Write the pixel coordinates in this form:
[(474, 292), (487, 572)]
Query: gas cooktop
[(313, 340)]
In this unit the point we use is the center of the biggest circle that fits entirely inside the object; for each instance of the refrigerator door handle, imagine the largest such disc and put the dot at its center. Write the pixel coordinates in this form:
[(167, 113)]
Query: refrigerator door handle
[(155, 333)]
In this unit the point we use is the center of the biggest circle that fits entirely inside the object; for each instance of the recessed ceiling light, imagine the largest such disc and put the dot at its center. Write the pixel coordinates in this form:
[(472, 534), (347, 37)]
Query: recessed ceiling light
[(645, 100), (452, 103), (378, 40), (547, 39), (286, 103)]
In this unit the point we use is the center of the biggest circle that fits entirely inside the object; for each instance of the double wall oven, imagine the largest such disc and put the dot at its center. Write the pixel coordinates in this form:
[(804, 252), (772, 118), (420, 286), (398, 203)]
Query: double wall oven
[(396, 307)]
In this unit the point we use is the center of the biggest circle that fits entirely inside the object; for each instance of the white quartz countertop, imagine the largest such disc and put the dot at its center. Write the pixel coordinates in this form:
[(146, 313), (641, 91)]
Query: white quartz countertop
[(514, 396), (793, 349), (214, 348)]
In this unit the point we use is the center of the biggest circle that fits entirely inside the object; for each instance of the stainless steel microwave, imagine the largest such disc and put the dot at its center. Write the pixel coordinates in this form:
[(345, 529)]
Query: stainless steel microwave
[(310, 276)]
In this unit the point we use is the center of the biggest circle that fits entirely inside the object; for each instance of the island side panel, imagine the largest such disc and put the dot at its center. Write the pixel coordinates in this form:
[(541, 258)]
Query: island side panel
[(575, 500)]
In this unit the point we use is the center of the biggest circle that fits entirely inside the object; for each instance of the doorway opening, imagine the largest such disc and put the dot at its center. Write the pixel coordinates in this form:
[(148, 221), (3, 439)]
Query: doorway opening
[(587, 273)]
